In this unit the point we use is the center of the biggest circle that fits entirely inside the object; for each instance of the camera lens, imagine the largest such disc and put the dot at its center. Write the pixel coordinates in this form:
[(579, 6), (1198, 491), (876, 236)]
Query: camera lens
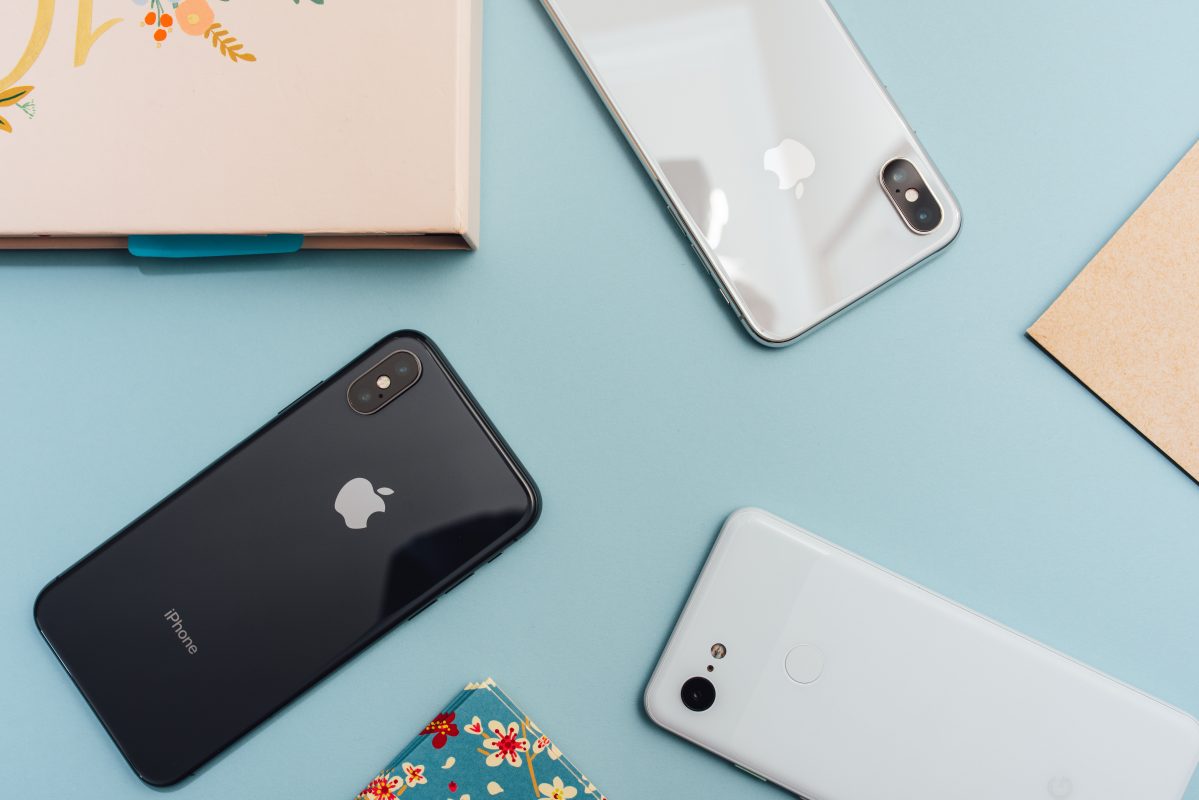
[(698, 694), (923, 215), (899, 175), (365, 396), (404, 365)]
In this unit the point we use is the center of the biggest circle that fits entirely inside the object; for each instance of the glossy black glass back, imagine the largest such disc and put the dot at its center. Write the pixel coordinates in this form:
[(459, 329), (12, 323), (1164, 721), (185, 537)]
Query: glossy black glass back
[(283, 559)]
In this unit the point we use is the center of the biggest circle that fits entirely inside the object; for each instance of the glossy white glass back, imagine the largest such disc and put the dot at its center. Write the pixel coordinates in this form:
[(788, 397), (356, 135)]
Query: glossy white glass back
[(708, 91), (918, 698)]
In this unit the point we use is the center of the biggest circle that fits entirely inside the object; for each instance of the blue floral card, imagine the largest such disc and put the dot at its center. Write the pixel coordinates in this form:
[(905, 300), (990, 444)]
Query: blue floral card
[(481, 746)]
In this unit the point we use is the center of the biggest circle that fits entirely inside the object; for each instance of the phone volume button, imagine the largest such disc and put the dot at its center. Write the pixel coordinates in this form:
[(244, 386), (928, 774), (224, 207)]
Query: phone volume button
[(675, 215), (457, 583), (417, 613), (700, 255), (712, 274)]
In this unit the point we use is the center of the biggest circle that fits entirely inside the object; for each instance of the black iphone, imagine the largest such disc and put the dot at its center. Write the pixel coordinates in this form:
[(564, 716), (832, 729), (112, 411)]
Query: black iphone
[(352, 510)]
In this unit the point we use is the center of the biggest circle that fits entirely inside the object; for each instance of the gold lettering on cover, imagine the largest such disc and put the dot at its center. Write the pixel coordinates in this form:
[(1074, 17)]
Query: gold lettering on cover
[(37, 41), (85, 36)]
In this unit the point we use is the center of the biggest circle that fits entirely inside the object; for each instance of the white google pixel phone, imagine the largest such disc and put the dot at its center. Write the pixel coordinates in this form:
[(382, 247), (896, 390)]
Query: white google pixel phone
[(838, 680), (777, 149)]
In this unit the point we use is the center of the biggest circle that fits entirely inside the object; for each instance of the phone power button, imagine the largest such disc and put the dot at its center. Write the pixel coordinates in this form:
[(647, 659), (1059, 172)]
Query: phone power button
[(750, 772)]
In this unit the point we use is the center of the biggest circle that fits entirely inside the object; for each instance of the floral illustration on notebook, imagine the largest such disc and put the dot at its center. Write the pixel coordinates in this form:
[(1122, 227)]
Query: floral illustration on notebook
[(480, 747), (165, 19), (194, 18), (13, 96)]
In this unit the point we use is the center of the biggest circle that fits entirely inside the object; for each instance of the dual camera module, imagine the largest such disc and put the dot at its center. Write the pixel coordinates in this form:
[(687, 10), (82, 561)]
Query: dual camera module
[(384, 382), (911, 196)]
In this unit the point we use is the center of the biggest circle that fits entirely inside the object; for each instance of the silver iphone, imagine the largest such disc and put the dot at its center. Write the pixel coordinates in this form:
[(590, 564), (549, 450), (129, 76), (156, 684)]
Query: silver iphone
[(800, 185)]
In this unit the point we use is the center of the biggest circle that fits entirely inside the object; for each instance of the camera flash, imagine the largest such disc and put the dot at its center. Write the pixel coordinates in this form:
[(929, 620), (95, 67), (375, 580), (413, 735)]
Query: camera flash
[(383, 382), (718, 650), (911, 195)]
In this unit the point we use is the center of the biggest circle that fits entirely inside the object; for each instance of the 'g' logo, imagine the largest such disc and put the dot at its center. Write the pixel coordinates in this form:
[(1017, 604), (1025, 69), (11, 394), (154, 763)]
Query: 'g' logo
[(1060, 788)]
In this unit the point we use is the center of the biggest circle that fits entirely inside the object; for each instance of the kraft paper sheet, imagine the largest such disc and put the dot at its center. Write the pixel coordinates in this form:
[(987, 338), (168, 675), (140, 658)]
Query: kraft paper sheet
[(1128, 326)]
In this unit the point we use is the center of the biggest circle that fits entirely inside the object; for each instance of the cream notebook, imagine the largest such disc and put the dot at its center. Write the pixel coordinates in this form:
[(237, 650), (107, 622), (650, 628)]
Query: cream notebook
[(352, 122), (1128, 325)]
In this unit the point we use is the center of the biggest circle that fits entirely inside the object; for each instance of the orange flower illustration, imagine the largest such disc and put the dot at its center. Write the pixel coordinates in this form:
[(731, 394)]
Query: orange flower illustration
[(194, 16)]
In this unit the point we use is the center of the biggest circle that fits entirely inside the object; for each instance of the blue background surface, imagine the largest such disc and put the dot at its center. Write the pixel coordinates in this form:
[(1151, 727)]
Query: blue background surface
[(921, 429)]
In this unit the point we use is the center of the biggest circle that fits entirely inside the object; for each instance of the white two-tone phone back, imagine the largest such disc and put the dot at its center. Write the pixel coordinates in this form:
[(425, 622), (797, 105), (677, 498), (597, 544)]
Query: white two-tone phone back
[(842, 681), (767, 131)]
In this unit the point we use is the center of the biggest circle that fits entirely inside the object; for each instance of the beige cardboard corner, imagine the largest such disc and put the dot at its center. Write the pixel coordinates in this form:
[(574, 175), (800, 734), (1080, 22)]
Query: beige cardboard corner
[(1128, 326)]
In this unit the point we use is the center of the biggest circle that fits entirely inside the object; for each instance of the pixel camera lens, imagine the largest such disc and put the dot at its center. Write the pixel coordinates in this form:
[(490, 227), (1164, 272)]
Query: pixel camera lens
[(698, 694)]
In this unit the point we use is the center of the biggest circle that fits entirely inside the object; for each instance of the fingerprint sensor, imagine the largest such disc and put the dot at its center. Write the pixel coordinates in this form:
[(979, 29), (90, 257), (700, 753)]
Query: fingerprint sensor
[(805, 663)]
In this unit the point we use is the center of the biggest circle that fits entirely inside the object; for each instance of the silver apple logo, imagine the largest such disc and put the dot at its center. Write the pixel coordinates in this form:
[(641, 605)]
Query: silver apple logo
[(357, 500), (791, 163)]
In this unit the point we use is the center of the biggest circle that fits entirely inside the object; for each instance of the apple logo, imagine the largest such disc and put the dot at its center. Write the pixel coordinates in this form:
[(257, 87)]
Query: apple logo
[(1061, 788), (792, 163), (357, 500)]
